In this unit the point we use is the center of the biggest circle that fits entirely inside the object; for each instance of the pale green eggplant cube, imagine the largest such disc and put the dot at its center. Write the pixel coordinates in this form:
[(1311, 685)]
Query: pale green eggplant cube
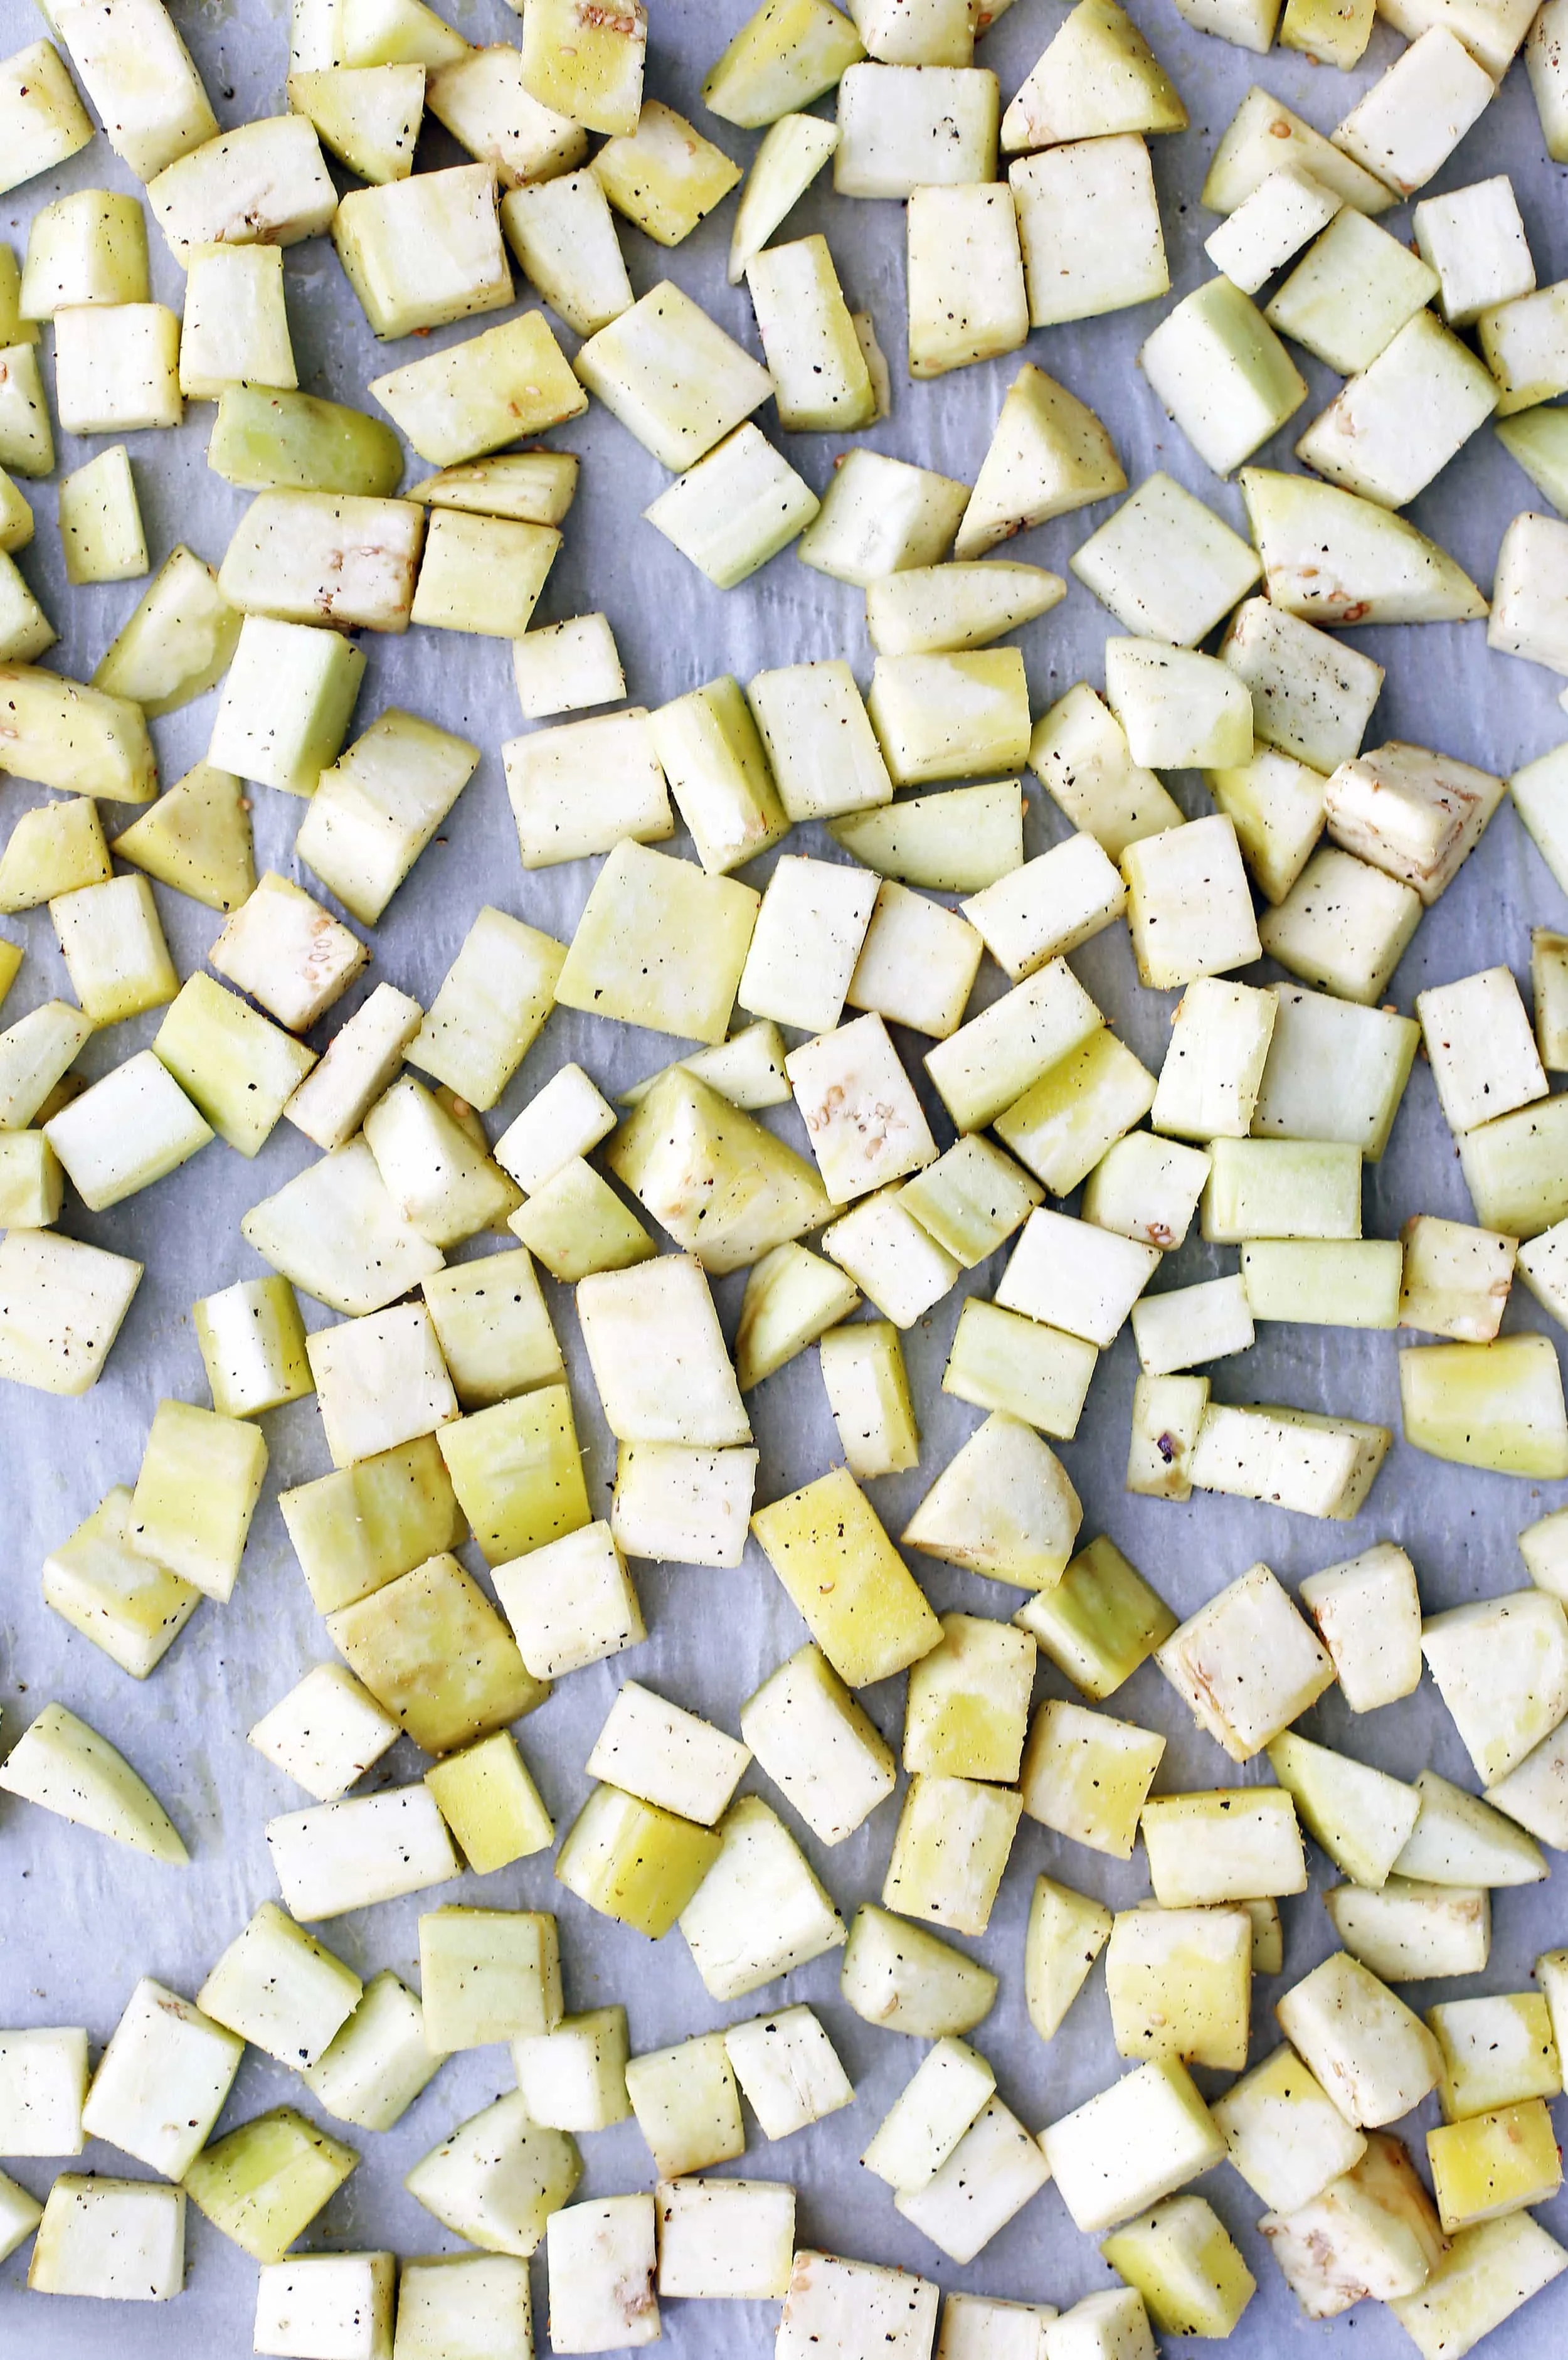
[(325, 1733), (1221, 373), (265, 182), (1168, 1415), (495, 998), (16, 327), (62, 1305), (927, 608), (280, 1989), (448, 2301), (101, 522), (1496, 2051), (1460, 1839), (1189, 907), (781, 60), (421, 252), (1187, 1326), (1314, 1464), (682, 1505), (881, 517), (368, 116), (1086, 1775), (237, 1067), (673, 377), (1179, 708), (654, 1749), (1213, 1067), (819, 738), (566, 1119), (1099, 1623), (1282, 1188), (1312, 695), (707, 745), (331, 2298), (817, 1745), (436, 1654), (1534, 440), (1351, 293), (439, 1179), (482, 574), (161, 2082), (971, 1200), (734, 508), (586, 787), (1380, 568), (821, 382), (1344, 926), (124, 1133), (929, 2116), (1067, 1931), (1183, 2262), (571, 1602), (1513, 1168), (173, 647), (43, 2082), (1146, 1187), (1368, 1613), (949, 1851), (286, 705), (896, 1975), (687, 2106), (373, 2069), (493, 1328), (357, 1530), (32, 1181), (43, 119), (117, 368), (968, 1701), (1372, 2054), (1130, 2145), (111, 941), (263, 2184), (584, 65), (1086, 1278), (197, 1490), (491, 1805), (787, 2070), (640, 1864), (78, 739), (52, 851), (1544, 1548), (1247, 1663), (1335, 1070), (725, 2238), (325, 558), (265, 439), (682, 1118), (334, 1231), (1549, 977), (497, 2178), (131, 1608), (793, 1297), (945, 716), (488, 1975), (252, 1342), (901, 129), (1082, 1106), (1323, 1283), (1004, 1360), (760, 1910), (119, 2240), (1165, 566), (664, 176), (27, 439), (1271, 226), (1089, 229), (1287, 2137), (1481, 1047), (235, 328), (1049, 454), (468, 401), (1498, 1405), (987, 1067), (1397, 424), (576, 1225), (517, 1472), (333, 1857), (563, 236), (868, 1393), (967, 301), (482, 96), (635, 953), (567, 667), (1360, 1817)]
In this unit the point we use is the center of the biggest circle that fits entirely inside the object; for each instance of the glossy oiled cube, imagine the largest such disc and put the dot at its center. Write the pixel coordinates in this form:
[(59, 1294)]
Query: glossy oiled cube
[(859, 1598)]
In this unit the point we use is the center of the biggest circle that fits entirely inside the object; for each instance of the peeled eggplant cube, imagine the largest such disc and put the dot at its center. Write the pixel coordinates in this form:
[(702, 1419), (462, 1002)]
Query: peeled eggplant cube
[(368, 116), (100, 524), (734, 508), (278, 1988), (1179, 1984), (1399, 423), (488, 1975), (476, 396), (119, 2240), (482, 97), (1498, 2052), (446, 2299), (334, 1857), (1184, 2264), (286, 705), (433, 1651), (1189, 909), (1378, 568), (1089, 228), (64, 1767), (374, 2068), (1286, 2138), (266, 438), (861, 1602), (687, 2106), (1131, 2145), (1405, 128), (1250, 1645), (882, 518), (945, 716), (112, 940), (1223, 374), (1086, 1775), (1497, 1406), (497, 2178), (564, 237), (161, 2083), (125, 1603), (781, 59), (1370, 2232), (235, 328), (587, 64), (949, 1850), (635, 1862), (966, 299), (673, 377), (1165, 566), (117, 368), (45, 121), (1049, 455), (896, 1975), (903, 128), (263, 2184), (787, 2070), (1352, 294), (43, 2082), (818, 1747), (421, 252), (1371, 2053), (821, 381), (574, 2078), (62, 1305)]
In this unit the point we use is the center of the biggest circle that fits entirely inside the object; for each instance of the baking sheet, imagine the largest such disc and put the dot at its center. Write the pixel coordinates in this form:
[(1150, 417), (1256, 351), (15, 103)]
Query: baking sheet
[(80, 1918)]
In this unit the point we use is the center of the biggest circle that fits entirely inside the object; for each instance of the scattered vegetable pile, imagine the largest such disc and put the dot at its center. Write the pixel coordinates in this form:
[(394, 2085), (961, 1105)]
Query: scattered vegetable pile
[(896, 984)]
